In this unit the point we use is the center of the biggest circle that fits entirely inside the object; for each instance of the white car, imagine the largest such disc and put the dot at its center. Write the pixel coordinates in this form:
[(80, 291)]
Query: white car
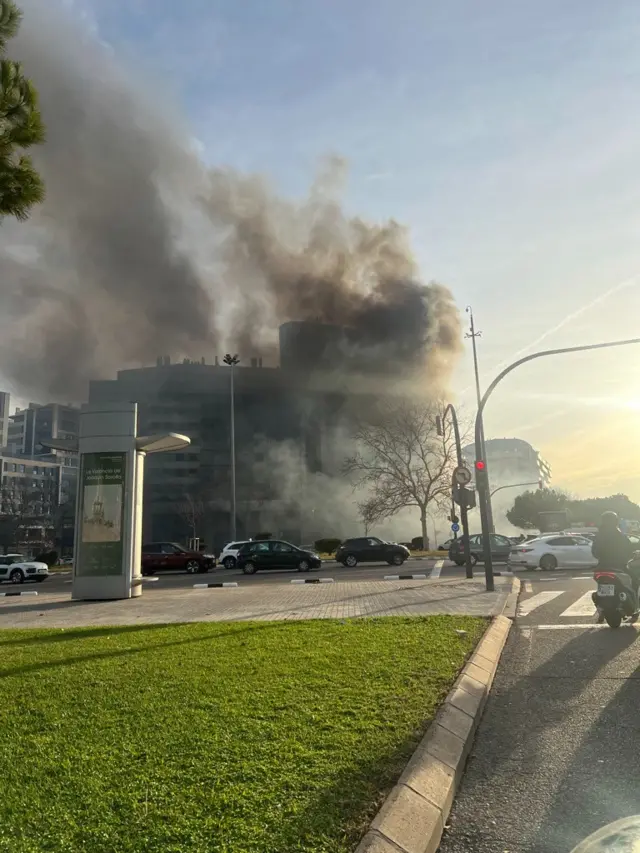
[(15, 568), (553, 551), (229, 554)]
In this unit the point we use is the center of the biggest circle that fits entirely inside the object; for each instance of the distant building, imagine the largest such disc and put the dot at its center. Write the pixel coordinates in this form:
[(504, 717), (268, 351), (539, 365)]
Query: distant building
[(511, 461), (284, 417), (29, 429), (30, 492), (5, 403)]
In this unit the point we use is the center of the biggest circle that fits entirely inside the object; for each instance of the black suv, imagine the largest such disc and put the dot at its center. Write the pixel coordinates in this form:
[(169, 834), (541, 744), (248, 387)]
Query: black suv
[(370, 549), (500, 548), (275, 554)]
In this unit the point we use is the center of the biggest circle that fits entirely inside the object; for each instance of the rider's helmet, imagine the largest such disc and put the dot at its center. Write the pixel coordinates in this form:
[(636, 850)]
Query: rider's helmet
[(608, 521)]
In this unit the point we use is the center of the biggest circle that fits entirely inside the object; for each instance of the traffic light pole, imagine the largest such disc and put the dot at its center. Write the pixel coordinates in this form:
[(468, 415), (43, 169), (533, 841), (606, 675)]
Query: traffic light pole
[(482, 478), (464, 515)]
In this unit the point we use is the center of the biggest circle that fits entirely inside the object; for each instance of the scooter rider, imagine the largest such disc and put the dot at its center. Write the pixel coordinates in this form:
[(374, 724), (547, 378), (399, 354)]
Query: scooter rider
[(613, 551)]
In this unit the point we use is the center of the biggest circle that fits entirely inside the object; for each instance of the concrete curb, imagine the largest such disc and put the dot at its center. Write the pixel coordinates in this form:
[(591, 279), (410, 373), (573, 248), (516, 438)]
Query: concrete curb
[(214, 585), (413, 817), (12, 594), (405, 577), (511, 604), (312, 580)]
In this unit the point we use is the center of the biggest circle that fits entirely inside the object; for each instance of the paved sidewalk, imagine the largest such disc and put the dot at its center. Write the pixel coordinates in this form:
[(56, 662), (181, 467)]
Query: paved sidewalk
[(272, 602)]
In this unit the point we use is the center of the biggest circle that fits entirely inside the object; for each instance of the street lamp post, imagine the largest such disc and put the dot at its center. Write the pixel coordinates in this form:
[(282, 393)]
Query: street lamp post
[(482, 480), (232, 361), (481, 451), (464, 516)]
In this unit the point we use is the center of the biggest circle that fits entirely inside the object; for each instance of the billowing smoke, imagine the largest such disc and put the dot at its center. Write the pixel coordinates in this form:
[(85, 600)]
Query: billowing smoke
[(138, 250)]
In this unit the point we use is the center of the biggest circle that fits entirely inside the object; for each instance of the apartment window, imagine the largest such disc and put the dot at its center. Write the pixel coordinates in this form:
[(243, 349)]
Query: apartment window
[(21, 469)]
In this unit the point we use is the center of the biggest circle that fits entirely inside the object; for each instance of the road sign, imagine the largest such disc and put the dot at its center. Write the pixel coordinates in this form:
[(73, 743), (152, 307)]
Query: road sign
[(462, 475), (455, 527)]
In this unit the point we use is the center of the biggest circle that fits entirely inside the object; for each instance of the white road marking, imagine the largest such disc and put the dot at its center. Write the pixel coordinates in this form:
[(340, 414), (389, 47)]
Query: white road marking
[(583, 578), (528, 587), (537, 601), (582, 607), (435, 571), (572, 627)]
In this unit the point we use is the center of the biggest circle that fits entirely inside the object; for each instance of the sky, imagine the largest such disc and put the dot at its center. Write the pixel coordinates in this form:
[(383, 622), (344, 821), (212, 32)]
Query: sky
[(505, 135)]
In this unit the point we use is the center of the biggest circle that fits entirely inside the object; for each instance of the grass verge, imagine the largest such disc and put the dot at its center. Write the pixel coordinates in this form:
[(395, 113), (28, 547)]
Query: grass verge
[(229, 737)]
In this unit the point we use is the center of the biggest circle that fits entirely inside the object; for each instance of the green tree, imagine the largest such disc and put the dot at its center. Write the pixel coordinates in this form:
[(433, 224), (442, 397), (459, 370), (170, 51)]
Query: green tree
[(20, 126), (525, 509)]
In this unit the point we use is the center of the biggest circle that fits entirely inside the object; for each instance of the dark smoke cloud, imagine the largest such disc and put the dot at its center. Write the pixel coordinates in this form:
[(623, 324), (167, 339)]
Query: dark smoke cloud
[(310, 261), (117, 268)]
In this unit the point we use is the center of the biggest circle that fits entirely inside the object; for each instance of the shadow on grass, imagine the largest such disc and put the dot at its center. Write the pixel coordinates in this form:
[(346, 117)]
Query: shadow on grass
[(79, 634)]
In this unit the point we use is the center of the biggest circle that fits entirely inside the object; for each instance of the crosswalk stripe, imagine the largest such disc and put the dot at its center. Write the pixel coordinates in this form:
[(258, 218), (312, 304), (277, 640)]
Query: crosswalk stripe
[(437, 568), (582, 607), (537, 601)]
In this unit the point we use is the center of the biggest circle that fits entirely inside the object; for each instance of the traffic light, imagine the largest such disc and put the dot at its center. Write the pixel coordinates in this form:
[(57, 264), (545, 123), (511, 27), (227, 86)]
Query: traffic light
[(482, 479)]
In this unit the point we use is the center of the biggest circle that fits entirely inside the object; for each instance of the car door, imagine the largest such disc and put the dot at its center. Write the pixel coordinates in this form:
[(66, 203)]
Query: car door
[(500, 546), (284, 555), (260, 555), (375, 550), (5, 562), (151, 557), (563, 548), (584, 555)]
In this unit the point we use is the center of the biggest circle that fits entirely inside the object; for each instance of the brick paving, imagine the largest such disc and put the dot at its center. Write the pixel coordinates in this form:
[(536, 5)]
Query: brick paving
[(260, 602)]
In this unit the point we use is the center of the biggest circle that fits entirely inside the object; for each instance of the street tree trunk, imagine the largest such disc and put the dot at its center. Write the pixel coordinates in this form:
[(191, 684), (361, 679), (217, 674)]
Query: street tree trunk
[(425, 535)]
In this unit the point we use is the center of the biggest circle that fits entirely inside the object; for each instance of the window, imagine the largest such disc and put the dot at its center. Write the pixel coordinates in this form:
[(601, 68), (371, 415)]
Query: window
[(150, 549), (260, 548), (170, 548), (282, 548), (499, 541), (373, 542), (561, 540)]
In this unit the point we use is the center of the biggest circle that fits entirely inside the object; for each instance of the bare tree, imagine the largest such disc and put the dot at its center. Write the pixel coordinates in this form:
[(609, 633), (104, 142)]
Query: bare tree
[(192, 510), (18, 506), (402, 461)]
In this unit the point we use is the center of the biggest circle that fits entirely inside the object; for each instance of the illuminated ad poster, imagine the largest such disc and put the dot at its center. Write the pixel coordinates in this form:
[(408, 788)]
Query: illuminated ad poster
[(102, 485)]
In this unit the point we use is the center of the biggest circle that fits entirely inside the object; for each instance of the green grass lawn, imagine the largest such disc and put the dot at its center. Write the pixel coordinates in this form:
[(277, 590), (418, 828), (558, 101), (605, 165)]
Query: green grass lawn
[(254, 737)]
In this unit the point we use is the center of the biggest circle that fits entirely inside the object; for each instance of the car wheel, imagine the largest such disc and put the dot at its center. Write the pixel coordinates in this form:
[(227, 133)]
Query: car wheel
[(249, 568), (397, 560), (351, 561), (304, 566), (459, 562), (229, 562), (548, 563), (16, 576), (192, 567)]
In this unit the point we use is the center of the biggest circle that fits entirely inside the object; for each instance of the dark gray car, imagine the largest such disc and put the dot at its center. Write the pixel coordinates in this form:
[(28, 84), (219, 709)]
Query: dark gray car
[(500, 549)]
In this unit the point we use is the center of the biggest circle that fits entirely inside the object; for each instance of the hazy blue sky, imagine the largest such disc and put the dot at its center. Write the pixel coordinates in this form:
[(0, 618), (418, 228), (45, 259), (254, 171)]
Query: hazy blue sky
[(506, 135)]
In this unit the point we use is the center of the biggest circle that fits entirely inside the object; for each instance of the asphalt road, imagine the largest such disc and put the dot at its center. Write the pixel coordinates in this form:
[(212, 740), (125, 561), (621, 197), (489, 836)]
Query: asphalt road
[(555, 755), (430, 567)]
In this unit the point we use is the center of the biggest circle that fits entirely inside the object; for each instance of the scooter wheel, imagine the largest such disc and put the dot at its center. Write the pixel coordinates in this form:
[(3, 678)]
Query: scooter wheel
[(614, 620)]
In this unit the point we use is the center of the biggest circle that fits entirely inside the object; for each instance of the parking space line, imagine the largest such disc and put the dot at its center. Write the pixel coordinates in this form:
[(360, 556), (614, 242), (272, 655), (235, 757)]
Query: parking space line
[(584, 606), (525, 607)]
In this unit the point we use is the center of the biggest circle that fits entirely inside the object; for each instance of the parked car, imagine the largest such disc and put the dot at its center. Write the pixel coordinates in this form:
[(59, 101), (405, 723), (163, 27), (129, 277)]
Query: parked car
[(15, 568), (158, 556), (445, 545), (370, 549), (553, 551), (275, 554), (500, 549), (229, 554)]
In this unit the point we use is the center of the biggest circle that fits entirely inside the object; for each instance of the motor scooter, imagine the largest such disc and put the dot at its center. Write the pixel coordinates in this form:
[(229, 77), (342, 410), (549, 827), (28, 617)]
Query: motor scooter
[(616, 597)]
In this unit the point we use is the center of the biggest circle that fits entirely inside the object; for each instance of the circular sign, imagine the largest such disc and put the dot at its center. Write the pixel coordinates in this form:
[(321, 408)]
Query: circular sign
[(462, 475), (455, 527)]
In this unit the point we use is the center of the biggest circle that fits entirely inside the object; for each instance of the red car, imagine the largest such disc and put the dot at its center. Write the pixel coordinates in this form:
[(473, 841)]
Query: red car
[(159, 556)]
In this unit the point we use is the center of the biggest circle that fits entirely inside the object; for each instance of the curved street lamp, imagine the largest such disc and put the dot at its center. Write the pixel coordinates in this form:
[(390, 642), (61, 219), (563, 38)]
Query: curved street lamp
[(482, 479)]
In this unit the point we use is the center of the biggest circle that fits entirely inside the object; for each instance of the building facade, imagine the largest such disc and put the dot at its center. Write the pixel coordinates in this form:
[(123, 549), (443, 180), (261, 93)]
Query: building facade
[(511, 462), (30, 495), (29, 429), (5, 403)]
